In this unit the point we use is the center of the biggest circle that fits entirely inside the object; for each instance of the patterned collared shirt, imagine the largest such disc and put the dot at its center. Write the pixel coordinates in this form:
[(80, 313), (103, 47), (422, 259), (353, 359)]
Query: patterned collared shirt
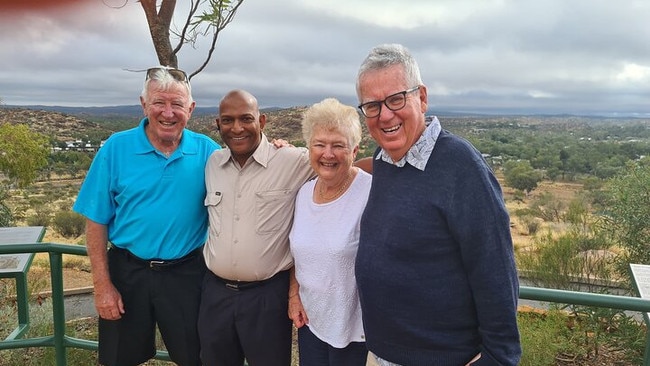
[(418, 154), (383, 362)]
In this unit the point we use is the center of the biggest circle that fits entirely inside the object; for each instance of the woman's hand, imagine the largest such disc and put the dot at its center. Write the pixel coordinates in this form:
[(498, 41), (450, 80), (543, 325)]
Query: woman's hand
[(296, 311)]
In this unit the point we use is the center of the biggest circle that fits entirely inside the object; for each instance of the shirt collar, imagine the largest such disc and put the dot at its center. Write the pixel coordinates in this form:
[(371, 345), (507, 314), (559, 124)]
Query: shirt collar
[(260, 155), (144, 146), (418, 155)]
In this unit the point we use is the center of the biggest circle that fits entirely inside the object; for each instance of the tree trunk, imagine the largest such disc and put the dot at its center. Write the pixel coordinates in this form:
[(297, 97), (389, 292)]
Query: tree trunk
[(159, 22)]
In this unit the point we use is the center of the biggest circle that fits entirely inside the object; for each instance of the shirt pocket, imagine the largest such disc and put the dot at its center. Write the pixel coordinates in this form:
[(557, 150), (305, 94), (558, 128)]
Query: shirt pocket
[(273, 209), (213, 204)]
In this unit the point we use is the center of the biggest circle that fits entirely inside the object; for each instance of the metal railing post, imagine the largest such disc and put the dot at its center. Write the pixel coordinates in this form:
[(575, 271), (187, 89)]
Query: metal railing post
[(22, 303), (58, 307)]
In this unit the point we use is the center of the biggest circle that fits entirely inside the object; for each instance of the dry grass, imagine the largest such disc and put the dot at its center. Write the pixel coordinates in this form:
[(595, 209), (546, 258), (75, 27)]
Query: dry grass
[(562, 191)]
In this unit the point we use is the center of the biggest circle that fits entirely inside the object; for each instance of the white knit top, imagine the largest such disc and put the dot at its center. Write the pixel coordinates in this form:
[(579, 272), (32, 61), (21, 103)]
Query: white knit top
[(324, 241)]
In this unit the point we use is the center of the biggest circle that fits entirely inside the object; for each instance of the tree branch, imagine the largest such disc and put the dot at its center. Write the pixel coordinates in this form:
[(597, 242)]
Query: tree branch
[(218, 26), (193, 8)]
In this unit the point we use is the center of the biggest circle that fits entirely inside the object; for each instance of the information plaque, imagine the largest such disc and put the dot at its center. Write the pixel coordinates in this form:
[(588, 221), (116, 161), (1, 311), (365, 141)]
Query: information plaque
[(641, 277), (18, 235)]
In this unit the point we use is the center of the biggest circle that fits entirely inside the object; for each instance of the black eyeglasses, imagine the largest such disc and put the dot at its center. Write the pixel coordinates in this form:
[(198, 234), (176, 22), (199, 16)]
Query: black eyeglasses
[(394, 102), (177, 74)]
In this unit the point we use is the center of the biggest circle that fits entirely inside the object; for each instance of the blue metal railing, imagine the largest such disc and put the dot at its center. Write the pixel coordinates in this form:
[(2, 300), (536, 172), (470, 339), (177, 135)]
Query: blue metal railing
[(60, 341)]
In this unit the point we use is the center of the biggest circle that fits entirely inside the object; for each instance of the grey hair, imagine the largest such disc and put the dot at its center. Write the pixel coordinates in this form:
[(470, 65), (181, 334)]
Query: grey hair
[(332, 115), (165, 81), (387, 55)]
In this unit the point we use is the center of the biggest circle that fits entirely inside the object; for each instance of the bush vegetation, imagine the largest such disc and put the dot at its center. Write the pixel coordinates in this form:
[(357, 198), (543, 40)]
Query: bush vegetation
[(69, 224)]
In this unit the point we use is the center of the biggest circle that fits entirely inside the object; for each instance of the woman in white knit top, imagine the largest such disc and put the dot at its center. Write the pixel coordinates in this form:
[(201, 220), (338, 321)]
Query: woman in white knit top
[(324, 238)]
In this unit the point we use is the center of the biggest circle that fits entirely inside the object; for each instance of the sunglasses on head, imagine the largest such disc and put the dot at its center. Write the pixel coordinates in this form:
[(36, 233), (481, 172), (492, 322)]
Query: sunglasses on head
[(177, 74)]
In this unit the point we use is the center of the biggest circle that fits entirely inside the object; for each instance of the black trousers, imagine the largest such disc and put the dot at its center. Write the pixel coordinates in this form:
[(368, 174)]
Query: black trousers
[(166, 296), (249, 323)]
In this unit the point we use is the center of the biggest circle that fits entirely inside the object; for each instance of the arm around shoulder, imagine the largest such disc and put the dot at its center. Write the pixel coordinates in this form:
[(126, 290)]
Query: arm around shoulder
[(365, 164)]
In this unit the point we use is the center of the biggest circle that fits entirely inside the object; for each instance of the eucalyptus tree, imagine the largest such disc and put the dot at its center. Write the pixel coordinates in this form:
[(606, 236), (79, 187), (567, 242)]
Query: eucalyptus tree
[(626, 213), (22, 154), (521, 175)]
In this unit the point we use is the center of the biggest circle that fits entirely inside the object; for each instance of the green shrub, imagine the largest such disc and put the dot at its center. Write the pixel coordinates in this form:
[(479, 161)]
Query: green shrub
[(42, 217), (6, 218), (69, 224), (531, 223), (76, 262), (570, 261)]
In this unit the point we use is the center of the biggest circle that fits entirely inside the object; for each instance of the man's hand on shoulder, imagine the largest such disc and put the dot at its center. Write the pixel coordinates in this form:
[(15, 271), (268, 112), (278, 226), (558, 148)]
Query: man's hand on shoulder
[(280, 143)]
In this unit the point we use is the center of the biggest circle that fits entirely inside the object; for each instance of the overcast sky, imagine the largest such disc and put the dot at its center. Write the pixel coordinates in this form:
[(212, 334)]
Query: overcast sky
[(536, 56)]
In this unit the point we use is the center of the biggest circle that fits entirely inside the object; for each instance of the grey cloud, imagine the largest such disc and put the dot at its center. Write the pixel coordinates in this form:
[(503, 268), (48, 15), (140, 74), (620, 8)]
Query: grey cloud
[(519, 55)]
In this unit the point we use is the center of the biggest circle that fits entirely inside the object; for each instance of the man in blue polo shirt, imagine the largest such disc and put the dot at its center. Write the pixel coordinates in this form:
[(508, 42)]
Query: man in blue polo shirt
[(144, 195)]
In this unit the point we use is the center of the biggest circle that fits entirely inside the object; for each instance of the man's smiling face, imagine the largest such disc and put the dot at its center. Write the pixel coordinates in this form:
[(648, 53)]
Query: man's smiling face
[(395, 131)]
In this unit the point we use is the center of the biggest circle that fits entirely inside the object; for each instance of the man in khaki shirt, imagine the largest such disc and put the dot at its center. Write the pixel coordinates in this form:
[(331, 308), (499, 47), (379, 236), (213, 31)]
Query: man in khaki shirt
[(251, 187)]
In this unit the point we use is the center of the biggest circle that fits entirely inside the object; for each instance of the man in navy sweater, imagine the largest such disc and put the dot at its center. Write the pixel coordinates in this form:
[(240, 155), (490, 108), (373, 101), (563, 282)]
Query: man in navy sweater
[(435, 267)]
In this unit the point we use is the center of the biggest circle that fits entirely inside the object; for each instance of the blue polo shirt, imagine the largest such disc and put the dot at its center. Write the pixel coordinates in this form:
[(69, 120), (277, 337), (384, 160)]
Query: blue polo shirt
[(152, 205)]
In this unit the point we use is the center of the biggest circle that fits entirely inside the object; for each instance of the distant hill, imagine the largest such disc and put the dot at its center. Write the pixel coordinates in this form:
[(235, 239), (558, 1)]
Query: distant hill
[(134, 111), (110, 111), (70, 123), (56, 125), (97, 123)]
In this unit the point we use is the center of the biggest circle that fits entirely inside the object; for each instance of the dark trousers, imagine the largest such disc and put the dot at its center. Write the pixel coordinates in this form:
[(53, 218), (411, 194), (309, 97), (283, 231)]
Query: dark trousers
[(314, 352), (249, 323), (168, 297)]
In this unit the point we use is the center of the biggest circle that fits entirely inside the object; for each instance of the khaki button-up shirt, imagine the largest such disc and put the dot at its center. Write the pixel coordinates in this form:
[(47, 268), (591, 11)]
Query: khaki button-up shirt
[(251, 210)]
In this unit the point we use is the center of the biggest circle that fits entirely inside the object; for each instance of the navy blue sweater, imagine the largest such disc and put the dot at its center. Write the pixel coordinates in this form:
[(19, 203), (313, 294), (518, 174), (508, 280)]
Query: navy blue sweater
[(435, 266)]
